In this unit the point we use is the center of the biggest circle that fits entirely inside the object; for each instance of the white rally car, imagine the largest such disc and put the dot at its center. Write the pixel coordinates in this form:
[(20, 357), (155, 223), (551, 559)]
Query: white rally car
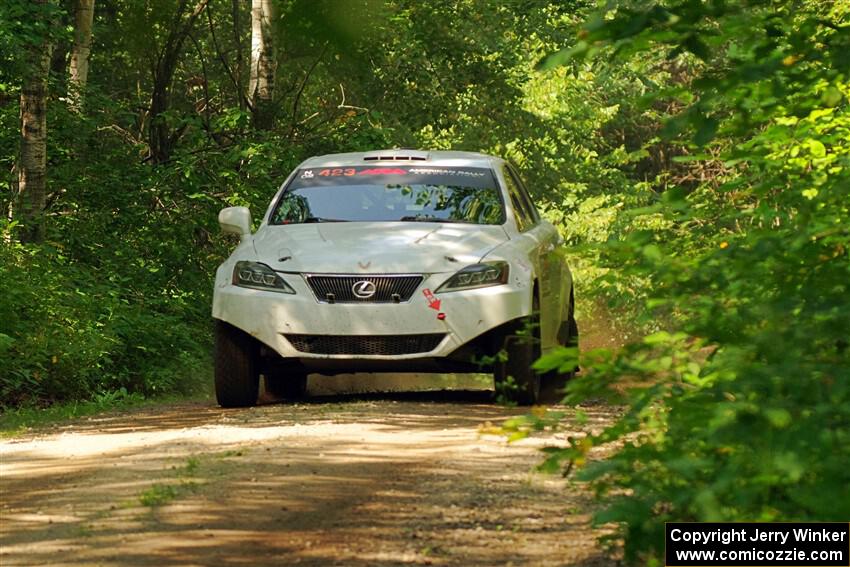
[(395, 260)]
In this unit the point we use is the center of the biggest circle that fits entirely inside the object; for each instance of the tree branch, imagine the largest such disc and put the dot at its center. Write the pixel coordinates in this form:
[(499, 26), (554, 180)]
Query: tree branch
[(243, 97), (300, 91)]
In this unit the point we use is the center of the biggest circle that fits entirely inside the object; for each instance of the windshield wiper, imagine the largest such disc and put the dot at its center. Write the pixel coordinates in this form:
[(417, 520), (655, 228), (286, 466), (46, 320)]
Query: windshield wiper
[(424, 218), (320, 219)]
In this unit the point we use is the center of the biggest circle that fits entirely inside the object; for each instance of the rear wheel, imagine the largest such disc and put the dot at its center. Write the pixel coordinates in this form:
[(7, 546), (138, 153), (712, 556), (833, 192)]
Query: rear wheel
[(572, 339), (554, 382), (514, 378), (237, 376)]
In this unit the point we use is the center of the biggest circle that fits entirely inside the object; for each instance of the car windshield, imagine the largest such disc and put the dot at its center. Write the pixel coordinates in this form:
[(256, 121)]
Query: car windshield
[(407, 194)]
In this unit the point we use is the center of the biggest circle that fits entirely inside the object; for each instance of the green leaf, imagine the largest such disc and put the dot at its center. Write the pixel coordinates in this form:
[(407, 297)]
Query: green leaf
[(791, 465), (778, 417), (5, 342), (675, 194), (652, 252), (832, 96), (816, 148), (561, 356), (562, 57)]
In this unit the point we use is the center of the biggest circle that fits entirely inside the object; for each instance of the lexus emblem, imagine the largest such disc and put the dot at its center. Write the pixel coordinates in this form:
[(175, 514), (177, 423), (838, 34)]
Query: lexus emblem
[(364, 289)]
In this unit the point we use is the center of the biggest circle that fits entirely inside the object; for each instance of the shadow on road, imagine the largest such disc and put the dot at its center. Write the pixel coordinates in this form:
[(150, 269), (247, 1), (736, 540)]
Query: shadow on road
[(432, 396), (364, 478)]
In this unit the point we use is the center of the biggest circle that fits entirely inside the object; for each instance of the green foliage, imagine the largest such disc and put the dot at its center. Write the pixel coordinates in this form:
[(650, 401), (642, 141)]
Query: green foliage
[(13, 421), (24, 24), (71, 334), (744, 412), (109, 302)]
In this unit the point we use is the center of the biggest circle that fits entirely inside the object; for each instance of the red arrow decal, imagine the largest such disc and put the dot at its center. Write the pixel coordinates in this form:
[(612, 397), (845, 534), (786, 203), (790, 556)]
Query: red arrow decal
[(433, 302)]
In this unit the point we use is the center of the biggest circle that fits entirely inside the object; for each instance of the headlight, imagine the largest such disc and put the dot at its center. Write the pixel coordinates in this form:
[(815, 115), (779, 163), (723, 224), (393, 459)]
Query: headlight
[(477, 275), (259, 276)]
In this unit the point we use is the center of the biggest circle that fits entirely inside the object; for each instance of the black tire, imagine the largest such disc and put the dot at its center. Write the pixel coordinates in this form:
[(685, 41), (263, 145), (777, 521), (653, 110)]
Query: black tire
[(573, 340), (237, 376), (568, 330), (514, 378), (286, 385)]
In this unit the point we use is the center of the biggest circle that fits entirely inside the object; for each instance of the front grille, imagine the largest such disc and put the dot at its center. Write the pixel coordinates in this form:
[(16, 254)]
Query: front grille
[(365, 344), (388, 289)]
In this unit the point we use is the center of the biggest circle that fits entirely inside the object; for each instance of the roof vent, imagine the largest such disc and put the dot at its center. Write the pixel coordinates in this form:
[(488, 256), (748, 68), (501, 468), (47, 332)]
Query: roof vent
[(397, 155)]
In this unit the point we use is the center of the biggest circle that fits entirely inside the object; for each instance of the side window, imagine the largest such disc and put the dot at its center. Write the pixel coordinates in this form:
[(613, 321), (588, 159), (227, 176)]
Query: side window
[(524, 220), (526, 197)]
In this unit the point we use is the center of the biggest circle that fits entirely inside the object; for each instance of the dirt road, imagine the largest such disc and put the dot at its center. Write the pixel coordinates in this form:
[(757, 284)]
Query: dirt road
[(380, 479)]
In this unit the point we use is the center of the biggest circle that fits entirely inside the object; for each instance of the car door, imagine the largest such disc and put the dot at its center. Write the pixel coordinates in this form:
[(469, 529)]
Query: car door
[(546, 260)]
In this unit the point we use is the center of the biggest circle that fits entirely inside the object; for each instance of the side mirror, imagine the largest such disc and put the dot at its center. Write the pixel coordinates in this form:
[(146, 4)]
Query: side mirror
[(235, 220)]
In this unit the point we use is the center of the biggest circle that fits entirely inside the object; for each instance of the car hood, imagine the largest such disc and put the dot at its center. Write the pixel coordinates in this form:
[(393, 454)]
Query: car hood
[(375, 247)]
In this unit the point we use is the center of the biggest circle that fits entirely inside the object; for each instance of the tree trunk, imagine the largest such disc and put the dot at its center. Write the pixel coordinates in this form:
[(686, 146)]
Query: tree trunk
[(263, 64), (32, 165), (83, 17), (160, 136), (240, 60)]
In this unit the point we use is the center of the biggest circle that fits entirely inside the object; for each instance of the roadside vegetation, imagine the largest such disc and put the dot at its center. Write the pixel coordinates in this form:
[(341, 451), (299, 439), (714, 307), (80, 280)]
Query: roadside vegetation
[(696, 156), (738, 406), (15, 420)]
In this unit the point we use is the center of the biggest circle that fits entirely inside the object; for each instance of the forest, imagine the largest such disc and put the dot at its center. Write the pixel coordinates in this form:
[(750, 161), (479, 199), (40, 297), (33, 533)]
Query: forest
[(695, 155)]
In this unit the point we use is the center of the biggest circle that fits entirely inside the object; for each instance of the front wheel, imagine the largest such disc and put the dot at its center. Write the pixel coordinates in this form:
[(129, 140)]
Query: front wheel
[(237, 375), (554, 382), (514, 378)]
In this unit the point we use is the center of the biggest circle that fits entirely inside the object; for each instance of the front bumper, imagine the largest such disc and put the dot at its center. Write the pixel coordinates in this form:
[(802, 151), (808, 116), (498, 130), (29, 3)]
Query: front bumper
[(270, 316)]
